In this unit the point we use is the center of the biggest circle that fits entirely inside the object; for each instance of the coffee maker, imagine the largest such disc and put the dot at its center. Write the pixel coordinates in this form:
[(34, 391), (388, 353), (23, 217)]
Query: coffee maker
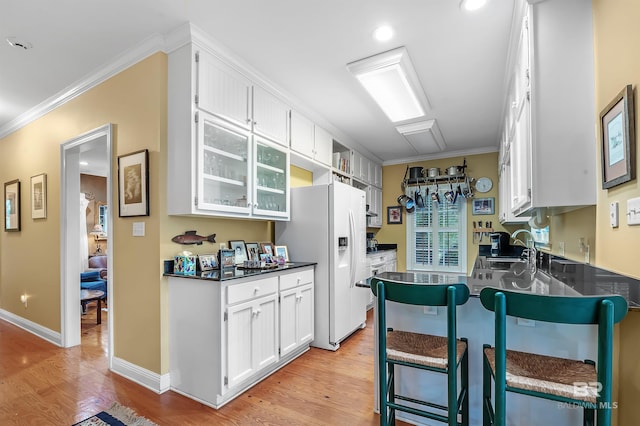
[(499, 244), (372, 243)]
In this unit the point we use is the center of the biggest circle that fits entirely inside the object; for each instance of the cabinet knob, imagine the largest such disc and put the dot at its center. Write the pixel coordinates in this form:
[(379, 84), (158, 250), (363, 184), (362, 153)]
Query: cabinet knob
[(257, 289), (248, 120), (514, 104), (255, 124), (255, 205), (298, 280)]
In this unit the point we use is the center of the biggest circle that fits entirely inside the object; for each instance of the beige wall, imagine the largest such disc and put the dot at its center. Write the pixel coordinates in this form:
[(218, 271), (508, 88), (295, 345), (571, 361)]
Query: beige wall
[(617, 64), (478, 166)]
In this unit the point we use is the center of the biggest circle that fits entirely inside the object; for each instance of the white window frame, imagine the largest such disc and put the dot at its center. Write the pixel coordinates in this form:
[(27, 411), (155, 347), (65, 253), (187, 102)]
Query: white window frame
[(462, 240)]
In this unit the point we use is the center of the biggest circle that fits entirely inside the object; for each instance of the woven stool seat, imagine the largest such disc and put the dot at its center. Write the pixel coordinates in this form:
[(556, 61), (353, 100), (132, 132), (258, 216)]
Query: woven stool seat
[(423, 349), (547, 374)]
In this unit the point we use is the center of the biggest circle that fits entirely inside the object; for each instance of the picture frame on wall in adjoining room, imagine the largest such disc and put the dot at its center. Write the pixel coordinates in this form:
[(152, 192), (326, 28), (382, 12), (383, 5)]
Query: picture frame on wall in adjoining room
[(618, 139), (12, 205), (39, 196), (133, 183)]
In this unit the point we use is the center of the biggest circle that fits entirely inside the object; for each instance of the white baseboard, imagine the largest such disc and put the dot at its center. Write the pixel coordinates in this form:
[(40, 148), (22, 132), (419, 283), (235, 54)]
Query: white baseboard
[(158, 383), (32, 327)]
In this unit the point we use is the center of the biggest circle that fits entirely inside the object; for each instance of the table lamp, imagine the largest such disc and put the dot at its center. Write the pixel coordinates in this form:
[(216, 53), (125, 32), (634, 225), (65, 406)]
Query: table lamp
[(96, 232)]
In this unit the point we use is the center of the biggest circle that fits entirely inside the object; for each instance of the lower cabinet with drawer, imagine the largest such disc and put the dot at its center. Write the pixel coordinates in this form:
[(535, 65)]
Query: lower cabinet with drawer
[(225, 336)]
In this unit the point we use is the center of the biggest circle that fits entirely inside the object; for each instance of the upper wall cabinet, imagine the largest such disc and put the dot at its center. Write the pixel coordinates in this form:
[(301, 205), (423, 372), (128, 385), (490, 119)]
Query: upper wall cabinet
[(310, 140), (227, 93), (550, 121), (220, 162)]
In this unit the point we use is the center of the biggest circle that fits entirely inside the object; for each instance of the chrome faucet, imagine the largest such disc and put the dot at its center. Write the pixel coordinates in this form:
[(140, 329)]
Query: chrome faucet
[(531, 252)]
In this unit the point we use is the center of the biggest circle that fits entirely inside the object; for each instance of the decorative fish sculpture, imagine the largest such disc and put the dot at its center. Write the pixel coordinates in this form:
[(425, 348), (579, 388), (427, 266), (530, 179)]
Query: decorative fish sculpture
[(190, 237)]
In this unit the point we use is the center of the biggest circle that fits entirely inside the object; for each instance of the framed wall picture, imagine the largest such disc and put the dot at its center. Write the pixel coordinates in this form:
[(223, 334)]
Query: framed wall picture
[(240, 251), (483, 206), (133, 184), (207, 262), (253, 251), (618, 139), (39, 196), (282, 251), (394, 215), (12, 205)]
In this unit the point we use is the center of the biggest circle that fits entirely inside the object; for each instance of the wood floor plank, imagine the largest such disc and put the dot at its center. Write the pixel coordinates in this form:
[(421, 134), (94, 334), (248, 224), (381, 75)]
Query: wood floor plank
[(41, 384)]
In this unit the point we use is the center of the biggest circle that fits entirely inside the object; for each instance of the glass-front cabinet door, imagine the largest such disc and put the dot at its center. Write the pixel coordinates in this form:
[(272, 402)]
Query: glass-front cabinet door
[(223, 166), (271, 189)]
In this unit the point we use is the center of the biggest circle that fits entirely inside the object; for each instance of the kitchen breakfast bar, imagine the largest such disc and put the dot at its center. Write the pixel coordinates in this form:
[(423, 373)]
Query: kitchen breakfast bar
[(550, 275)]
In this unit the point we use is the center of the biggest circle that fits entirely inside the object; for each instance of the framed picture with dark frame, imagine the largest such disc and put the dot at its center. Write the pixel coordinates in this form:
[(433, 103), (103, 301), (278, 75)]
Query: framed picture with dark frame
[(618, 139), (483, 206), (226, 258), (394, 215), (39, 196), (12, 206), (253, 251), (133, 184), (240, 251)]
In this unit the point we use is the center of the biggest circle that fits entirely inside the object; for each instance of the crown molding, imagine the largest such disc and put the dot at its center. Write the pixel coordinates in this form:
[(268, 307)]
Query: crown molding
[(121, 62), (440, 155)]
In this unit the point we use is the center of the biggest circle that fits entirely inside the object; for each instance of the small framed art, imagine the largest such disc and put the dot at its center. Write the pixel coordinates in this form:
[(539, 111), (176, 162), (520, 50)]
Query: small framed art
[(266, 248), (394, 215), (483, 206), (12, 205), (39, 196), (133, 183), (207, 262), (253, 251), (226, 258), (281, 251), (618, 140), (240, 251)]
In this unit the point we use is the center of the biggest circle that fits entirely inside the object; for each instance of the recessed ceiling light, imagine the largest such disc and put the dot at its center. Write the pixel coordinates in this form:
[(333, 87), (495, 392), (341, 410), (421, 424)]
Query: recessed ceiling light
[(14, 42), (472, 5), (84, 163), (383, 33)]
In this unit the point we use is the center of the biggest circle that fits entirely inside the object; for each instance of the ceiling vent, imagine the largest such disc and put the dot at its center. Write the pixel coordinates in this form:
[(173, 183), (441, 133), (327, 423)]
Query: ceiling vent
[(424, 136)]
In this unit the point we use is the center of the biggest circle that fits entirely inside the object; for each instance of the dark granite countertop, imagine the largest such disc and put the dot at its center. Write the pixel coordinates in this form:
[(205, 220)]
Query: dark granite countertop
[(553, 275), (226, 274)]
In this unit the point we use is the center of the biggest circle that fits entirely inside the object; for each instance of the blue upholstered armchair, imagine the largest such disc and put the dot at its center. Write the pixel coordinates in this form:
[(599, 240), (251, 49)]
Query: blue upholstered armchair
[(91, 280)]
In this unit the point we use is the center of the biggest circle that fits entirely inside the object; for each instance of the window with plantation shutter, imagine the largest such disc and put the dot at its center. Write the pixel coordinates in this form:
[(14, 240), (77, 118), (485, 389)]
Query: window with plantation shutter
[(436, 238)]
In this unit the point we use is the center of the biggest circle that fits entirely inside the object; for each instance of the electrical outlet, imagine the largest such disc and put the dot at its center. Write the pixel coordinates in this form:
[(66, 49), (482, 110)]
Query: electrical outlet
[(613, 214)]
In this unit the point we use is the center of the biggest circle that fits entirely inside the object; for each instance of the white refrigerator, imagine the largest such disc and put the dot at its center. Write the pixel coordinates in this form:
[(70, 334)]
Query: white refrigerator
[(328, 226)]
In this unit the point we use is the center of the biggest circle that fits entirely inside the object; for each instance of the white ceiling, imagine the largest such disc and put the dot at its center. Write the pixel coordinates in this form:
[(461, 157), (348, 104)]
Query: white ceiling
[(301, 46)]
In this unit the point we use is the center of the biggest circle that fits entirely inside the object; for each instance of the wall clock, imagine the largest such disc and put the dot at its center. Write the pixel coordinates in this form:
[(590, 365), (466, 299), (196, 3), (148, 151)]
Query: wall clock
[(484, 184)]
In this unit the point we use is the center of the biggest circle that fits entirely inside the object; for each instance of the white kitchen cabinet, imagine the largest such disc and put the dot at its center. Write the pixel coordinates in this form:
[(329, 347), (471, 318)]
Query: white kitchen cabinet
[(375, 206), (552, 155), (360, 166), (506, 215), (376, 174), (252, 338), (270, 116), (310, 140), (213, 146), (225, 336)]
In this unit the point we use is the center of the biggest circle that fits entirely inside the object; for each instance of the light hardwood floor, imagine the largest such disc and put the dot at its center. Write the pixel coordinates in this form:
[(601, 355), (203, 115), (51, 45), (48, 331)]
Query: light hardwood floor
[(42, 384)]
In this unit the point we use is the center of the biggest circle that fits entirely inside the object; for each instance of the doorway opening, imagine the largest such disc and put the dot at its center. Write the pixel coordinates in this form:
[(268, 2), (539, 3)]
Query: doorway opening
[(87, 154)]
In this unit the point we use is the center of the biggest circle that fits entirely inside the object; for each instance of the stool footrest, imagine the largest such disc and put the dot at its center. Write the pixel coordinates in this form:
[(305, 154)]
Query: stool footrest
[(425, 403), (417, 412)]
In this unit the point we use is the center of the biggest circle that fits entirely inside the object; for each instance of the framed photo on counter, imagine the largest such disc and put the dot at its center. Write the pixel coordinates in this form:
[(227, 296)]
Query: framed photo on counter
[(226, 258), (281, 251), (240, 250), (253, 251), (207, 262)]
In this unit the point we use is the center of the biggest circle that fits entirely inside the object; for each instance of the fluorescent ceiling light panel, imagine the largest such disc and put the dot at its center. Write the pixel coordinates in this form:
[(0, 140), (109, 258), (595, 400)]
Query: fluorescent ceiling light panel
[(424, 136), (393, 83)]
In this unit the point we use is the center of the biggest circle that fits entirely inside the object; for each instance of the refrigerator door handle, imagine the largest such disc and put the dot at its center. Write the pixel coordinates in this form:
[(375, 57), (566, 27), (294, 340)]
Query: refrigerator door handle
[(352, 235)]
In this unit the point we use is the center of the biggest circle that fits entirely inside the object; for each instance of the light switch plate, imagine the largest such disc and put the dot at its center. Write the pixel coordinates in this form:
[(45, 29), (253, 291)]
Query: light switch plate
[(613, 214), (138, 229), (633, 211)]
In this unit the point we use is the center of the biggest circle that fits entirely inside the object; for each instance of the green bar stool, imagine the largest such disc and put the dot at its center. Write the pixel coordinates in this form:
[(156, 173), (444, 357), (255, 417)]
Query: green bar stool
[(426, 352), (581, 383)]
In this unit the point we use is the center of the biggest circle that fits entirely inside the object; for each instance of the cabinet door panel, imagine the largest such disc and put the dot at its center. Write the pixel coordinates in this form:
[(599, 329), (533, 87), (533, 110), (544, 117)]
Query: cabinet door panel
[(240, 362), (323, 147), (271, 186), (305, 314), (288, 321), (265, 332), (302, 134), (223, 91), (270, 116), (223, 166)]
